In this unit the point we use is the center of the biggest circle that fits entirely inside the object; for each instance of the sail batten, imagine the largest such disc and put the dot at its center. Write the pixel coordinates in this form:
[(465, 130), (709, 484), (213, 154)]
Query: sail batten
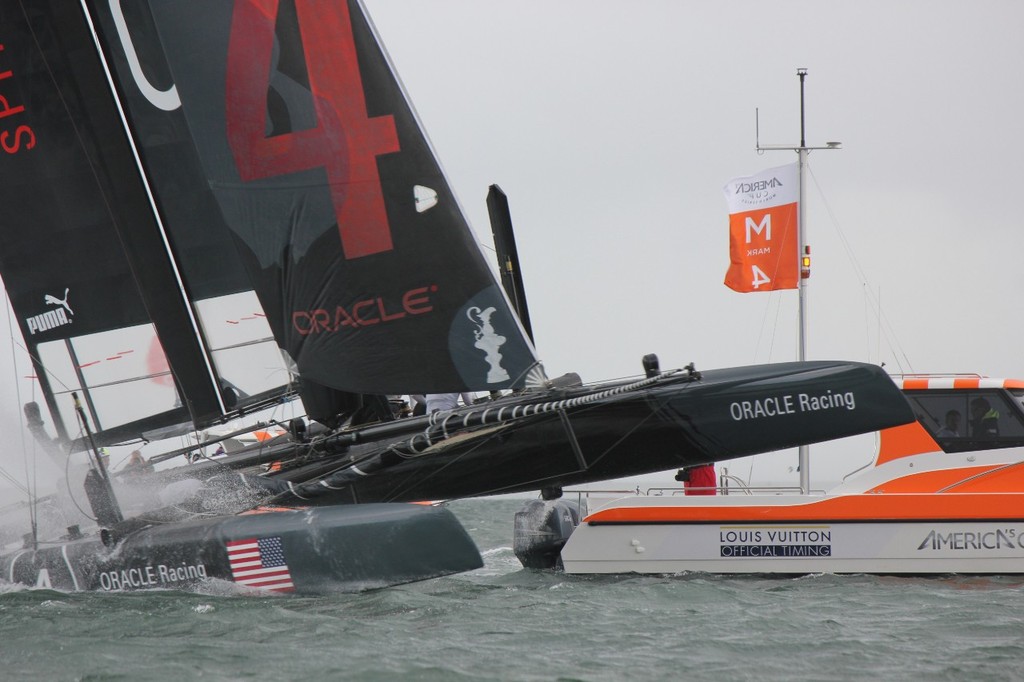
[(203, 385), (229, 323), (94, 240)]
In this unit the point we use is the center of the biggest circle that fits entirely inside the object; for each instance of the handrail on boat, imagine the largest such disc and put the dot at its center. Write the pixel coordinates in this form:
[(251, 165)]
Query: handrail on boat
[(981, 474), (584, 495), (858, 470), (747, 489)]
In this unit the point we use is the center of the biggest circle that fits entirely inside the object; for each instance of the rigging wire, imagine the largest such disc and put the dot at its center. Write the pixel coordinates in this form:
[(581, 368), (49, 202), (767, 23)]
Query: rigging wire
[(885, 326), (102, 195), (15, 481), (483, 415), (31, 481), (778, 314), (764, 325)]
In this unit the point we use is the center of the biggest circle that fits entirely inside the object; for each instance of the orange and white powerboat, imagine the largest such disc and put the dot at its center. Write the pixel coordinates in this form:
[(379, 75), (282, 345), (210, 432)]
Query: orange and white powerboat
[(945, 494)]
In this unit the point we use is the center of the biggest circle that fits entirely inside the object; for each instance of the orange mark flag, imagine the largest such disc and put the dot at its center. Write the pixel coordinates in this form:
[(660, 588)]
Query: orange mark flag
[(764, 246)]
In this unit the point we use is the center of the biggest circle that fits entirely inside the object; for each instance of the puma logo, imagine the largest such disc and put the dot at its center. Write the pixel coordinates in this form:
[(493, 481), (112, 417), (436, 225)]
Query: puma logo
[(53, 300), (54, 317)]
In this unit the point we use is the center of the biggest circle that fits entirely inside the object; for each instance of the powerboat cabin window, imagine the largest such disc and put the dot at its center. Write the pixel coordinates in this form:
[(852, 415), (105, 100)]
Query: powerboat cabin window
[(971, 420)]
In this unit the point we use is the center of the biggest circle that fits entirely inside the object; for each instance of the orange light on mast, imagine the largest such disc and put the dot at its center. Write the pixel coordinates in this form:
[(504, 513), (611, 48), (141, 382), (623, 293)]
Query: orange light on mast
[(805, 263)]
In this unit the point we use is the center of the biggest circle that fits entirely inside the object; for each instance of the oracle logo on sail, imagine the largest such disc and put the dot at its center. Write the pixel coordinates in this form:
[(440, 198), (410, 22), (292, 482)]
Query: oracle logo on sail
[(11, 141), (365, 313)]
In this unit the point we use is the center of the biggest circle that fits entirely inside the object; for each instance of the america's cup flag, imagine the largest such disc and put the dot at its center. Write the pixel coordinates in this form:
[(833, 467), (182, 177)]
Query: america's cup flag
[(763, 238)]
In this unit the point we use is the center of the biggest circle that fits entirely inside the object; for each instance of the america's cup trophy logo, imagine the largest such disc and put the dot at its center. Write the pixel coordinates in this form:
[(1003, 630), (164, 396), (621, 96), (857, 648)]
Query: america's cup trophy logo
[(489, 342)]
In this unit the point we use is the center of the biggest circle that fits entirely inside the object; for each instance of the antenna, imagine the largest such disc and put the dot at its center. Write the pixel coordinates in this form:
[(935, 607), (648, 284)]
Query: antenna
[(757, 130), (801, 74)]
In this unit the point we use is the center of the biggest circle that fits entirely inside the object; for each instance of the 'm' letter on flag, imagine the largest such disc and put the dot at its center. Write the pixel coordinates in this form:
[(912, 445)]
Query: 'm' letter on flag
[(763, 237)]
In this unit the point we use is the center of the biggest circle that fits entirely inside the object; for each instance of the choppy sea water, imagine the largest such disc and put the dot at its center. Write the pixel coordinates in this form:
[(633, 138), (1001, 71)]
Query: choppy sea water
[(503, 622)]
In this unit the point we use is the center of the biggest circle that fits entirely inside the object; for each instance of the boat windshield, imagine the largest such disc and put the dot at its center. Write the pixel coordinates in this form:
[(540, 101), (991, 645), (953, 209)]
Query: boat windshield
[(980, 419)]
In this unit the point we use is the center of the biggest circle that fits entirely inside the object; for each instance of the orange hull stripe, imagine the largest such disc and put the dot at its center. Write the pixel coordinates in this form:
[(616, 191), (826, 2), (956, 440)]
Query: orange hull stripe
[(853, 508), (903, 441), (270, 509)]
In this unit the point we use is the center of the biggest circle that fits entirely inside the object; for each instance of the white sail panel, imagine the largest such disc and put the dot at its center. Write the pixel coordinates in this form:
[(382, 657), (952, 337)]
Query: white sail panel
[(241, 343), (121, 376)]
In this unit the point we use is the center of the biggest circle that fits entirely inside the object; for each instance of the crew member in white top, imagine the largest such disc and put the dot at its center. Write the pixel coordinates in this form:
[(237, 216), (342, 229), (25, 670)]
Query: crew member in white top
[(447, 401)]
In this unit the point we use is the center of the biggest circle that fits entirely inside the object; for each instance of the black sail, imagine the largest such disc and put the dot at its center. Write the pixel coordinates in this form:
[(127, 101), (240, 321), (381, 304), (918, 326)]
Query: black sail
[(362, 259), (238, 338), (100, 300)]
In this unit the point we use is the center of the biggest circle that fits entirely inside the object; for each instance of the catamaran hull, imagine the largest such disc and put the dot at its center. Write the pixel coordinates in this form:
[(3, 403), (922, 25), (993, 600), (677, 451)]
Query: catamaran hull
[(524, 443), (875, 534), (317, 550)]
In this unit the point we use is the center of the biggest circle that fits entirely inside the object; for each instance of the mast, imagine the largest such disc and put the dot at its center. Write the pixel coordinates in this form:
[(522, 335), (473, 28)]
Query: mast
[(804, 255)]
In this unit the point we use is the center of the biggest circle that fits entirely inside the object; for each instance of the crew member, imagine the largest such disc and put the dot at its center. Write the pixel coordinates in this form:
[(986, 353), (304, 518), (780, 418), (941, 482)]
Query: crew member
[(951, 427), (446, 401), (984, 418)]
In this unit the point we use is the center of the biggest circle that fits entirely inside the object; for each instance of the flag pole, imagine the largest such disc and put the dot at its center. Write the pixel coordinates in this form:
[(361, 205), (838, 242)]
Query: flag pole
[(801, 228), (804, 255), (803, 452)]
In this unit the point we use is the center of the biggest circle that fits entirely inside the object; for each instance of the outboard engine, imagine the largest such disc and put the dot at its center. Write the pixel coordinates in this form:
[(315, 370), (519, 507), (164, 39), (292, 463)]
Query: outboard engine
[(542, 527)]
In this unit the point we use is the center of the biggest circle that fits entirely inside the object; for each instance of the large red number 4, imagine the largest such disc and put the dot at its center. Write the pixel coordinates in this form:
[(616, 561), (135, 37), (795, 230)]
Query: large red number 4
[(345, 143)]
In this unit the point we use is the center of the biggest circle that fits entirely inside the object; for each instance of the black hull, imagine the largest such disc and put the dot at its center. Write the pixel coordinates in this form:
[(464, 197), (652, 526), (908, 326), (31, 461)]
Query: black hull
[(350, 549), (674, 423)]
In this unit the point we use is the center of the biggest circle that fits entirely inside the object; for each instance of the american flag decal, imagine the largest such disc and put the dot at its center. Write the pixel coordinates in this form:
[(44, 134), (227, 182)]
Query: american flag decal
[(260, 563)]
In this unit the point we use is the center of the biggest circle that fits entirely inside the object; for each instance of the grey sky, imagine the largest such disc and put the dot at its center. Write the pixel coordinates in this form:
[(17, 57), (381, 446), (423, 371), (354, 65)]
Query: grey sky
[(613, 126)]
